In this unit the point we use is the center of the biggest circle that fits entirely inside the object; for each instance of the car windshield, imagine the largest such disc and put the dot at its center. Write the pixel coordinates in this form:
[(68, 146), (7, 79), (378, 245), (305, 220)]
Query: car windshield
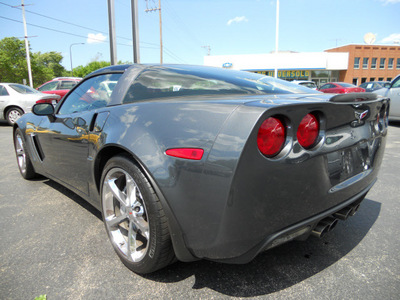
[(23, 89), (159, 82)]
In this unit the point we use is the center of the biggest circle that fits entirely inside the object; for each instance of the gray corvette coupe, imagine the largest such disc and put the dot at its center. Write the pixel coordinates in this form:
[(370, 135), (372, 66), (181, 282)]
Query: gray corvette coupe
[(190, 162)]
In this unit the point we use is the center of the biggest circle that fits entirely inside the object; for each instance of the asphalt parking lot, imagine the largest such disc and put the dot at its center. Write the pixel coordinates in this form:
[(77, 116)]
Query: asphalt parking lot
[(54, 243)]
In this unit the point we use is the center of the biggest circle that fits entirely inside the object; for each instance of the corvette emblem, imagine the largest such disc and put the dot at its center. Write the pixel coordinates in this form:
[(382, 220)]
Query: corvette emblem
[(361, 115)]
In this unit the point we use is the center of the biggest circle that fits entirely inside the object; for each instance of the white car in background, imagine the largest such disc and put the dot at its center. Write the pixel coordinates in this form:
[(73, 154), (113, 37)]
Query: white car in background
[(310, 84), (392, 92), (17, 99)]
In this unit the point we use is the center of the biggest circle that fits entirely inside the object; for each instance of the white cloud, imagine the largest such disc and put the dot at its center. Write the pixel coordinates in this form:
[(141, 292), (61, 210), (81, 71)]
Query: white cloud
[(394, 37), (237, 20), (386, 2), (95, 38)]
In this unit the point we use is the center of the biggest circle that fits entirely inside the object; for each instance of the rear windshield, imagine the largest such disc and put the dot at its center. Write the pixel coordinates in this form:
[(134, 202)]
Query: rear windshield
[(308, 84), (346, 84), (161, 82), (23, 89)]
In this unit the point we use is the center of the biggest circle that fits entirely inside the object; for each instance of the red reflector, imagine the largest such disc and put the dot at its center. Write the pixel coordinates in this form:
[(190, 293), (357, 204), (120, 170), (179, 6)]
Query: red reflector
[(308, 131), (187, 153), (271, 137)]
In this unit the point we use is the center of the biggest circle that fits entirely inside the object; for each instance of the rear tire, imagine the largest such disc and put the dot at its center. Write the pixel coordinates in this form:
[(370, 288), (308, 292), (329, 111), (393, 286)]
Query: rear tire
[(134, 218), (13, 114), (24, 162)]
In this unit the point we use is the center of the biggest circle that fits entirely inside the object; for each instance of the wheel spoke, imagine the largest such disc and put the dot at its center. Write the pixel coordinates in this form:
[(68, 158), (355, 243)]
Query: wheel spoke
[(131, 240), (114, 221), (118, 194), (131, 191), (143, 227)]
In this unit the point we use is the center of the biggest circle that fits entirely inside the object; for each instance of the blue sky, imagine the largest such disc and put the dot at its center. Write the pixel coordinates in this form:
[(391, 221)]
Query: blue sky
[(227, 26)]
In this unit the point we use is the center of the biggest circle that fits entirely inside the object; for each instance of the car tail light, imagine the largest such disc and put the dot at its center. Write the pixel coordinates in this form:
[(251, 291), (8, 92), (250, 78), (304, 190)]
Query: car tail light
[(308, 131), (45, 101), (186, 153), (271, 137)]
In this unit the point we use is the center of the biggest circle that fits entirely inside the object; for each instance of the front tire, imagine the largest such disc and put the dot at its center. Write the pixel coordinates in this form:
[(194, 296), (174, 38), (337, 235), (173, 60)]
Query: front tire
[(134, 219), (13, 114), (24, 162)]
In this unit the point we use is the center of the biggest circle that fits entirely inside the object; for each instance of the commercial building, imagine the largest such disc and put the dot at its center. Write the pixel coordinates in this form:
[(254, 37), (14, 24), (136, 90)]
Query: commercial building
[(337, 64), (369, 63)]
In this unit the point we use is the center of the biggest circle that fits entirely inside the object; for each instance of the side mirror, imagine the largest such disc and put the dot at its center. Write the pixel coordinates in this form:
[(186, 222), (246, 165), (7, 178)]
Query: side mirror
[(387, 85), (43, 109)]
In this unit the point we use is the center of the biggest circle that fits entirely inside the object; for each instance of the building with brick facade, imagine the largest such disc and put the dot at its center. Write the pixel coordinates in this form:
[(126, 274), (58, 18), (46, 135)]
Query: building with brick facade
[(351, 63), (369, 63)]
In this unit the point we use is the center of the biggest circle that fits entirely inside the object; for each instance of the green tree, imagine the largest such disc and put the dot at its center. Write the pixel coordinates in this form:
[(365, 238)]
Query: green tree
[(82, 71), (13, 66)]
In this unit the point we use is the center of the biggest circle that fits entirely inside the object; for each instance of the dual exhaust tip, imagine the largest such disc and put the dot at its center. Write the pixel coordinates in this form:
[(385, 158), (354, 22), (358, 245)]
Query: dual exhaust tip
[(327, 224)]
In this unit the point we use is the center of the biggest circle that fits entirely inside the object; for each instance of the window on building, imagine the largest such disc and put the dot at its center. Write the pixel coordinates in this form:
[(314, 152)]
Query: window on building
[(389, 79), (356, 62), (398, 64), (390, 63), (355, 81), (372, 79), (380, 79), (373, 62), (365, 62), (382, 63), (363, 79)]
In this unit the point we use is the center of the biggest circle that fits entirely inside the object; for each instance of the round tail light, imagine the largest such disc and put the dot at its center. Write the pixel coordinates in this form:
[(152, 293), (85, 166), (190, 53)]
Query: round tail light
[(271, 137), (308, 131)]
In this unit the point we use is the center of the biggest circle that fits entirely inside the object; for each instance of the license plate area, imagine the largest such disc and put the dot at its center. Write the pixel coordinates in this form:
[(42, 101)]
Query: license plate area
[(346, 163)]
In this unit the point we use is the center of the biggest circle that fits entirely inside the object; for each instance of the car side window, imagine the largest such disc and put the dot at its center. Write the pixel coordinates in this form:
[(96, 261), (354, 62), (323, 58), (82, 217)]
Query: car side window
[(90, 94), (3, 91), (51, 86), (396, 84)]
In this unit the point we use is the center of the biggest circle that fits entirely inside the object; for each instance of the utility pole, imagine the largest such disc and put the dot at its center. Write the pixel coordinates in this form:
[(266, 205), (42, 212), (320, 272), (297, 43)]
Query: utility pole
[(135, 32), (70, 55), (208, 49), (111, 25), (159, 12), (28, 58), (276, 38)]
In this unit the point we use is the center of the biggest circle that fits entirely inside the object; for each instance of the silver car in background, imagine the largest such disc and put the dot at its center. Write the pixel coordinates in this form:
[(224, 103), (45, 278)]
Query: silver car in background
[(392, 92), (17, 99)]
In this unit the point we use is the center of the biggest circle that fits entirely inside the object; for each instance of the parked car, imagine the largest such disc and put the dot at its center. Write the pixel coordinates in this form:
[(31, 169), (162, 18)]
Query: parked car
[(192, 162), (17, 99), (374, 85), (340, 88), (59, 86), (310, 84), (392, 92)]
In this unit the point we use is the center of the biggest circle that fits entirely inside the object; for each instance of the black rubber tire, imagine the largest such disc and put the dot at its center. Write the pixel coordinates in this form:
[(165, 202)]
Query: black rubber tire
[(27, 172), (13, 110), (160, 251)]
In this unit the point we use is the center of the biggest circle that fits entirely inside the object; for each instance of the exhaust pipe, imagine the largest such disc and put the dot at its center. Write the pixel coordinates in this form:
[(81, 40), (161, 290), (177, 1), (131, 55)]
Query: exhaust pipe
[(343, 214), (354, 209), (324, 226)]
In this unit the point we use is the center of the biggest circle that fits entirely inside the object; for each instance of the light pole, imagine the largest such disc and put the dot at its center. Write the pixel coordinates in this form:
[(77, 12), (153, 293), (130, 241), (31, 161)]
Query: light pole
[(70, 55), (276, 39)]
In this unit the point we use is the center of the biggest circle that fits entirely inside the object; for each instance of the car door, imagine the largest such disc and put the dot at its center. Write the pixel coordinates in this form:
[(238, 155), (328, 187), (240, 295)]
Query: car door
[(394, 95), (64, 140)]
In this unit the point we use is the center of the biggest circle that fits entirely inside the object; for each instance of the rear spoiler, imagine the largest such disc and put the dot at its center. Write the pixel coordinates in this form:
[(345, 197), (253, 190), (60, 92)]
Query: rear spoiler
[(354, 97)]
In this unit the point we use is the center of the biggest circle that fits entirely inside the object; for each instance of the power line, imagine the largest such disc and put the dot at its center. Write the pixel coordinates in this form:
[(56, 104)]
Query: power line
[(156, 46)]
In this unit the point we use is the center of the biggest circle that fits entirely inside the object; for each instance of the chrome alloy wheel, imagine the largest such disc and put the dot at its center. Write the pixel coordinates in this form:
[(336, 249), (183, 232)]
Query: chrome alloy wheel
[(125, 215), (19, 150), (13, 116)]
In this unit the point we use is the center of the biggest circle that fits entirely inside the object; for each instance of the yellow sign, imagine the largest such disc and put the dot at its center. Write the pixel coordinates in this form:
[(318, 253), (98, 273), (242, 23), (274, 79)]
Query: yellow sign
[(292, 74)]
